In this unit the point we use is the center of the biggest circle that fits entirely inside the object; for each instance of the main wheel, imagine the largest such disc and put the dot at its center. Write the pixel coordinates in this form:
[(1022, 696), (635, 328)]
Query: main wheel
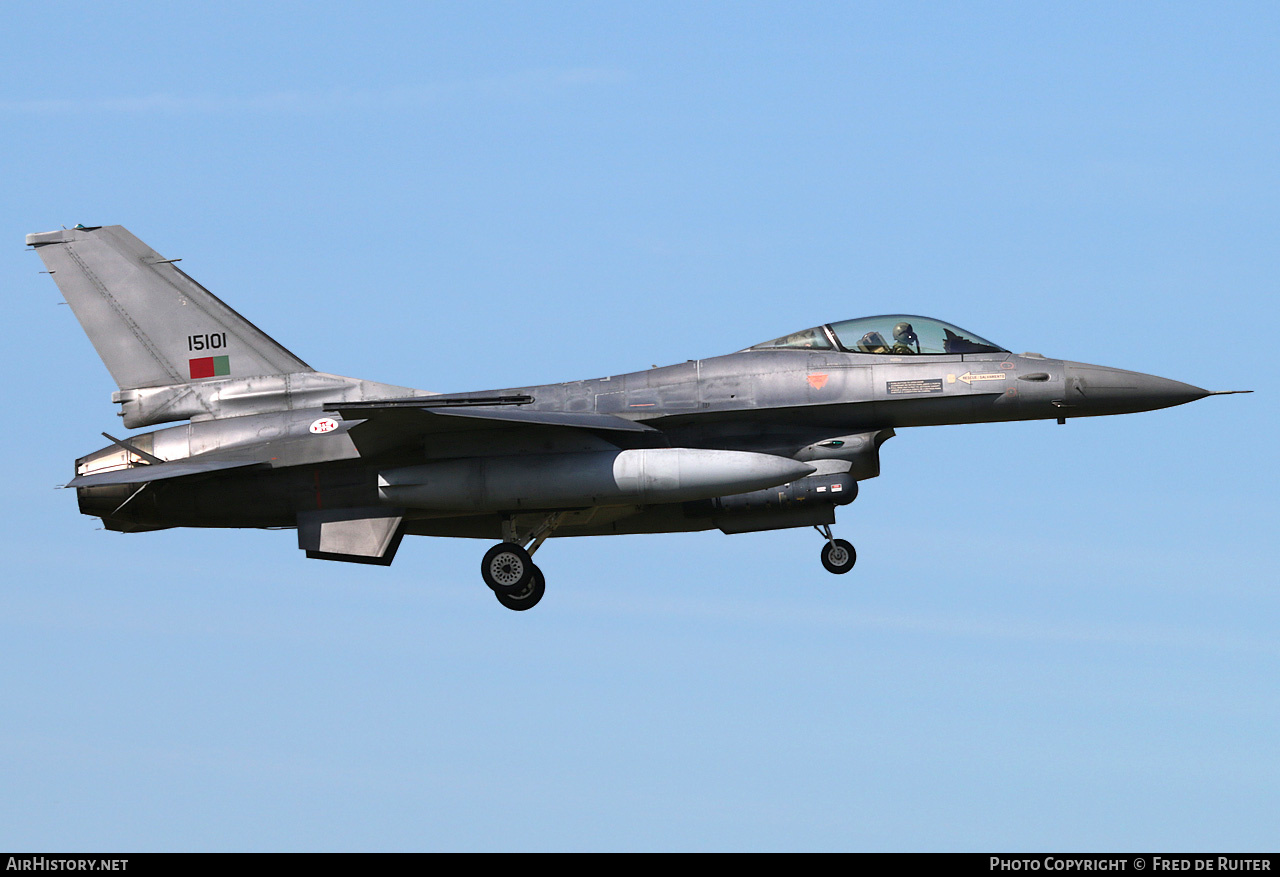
[(506, 568), (838, 556), (527, 598)]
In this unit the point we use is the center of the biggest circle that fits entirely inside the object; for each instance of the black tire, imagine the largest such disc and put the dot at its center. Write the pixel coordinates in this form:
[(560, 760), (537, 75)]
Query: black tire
[(527, 598), (506, 568), (839, 557)]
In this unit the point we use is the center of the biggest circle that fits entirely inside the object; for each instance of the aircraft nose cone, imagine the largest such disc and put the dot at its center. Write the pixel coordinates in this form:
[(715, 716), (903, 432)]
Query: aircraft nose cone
[(1096, 389)]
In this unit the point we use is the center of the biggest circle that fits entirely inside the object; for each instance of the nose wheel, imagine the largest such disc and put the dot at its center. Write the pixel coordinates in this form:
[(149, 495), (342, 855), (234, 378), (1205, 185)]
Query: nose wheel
[(838, 555)]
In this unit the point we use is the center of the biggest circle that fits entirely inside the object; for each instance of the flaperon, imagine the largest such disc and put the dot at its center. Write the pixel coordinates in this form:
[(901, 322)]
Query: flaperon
[(770, 437)]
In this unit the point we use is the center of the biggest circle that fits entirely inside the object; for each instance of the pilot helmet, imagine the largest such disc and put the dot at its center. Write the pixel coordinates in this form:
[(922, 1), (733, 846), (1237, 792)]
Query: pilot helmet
[(871, 341), (904, 333)]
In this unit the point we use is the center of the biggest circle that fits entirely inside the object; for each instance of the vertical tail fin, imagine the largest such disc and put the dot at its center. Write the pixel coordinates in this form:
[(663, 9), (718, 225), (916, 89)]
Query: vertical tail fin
[(152, 324)]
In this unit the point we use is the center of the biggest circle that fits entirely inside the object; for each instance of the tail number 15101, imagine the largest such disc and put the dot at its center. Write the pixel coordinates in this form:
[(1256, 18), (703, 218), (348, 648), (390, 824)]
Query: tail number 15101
[(209, 341)]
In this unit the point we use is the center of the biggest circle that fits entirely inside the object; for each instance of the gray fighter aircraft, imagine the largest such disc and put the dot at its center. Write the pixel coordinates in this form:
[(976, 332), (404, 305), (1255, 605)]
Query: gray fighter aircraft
[(774, 436)]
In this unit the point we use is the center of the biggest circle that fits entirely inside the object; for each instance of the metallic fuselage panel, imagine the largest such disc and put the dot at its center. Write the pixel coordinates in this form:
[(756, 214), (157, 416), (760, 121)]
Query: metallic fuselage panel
[(782, 402)]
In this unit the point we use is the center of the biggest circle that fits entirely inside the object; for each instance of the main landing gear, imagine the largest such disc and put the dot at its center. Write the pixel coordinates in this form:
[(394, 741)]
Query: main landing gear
[(517, 583), (508, 568), (838, 555), (526, 598)]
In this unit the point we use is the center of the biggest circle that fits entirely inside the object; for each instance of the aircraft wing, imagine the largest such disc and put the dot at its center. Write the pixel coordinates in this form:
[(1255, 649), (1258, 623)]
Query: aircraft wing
[(390, 423), (158, 472)]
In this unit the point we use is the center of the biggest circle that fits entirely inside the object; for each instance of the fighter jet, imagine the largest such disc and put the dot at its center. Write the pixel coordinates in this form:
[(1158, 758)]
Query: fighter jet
[(774, 436)]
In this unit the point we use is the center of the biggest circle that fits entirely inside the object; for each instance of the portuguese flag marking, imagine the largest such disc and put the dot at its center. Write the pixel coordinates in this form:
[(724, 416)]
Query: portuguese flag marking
[(210, 366)]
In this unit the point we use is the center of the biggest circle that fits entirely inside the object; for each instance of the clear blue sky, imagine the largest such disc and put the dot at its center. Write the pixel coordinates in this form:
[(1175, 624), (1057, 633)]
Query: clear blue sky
[(1055, 638)]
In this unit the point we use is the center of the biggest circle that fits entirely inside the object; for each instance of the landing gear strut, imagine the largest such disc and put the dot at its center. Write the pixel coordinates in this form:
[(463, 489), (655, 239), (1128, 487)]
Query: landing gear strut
[(838, 555), (508, 568)]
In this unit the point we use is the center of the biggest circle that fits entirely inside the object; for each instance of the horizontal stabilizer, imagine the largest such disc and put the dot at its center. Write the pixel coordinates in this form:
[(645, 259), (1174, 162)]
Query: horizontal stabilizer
[(159, 472)]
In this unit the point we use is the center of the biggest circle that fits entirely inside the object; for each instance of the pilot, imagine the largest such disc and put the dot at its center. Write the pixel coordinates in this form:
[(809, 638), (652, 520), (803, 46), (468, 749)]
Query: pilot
[(873, 342), (904, 336)]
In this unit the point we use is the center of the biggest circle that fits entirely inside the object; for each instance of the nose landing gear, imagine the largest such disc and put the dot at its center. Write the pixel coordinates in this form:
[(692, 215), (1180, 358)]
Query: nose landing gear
[(508, 568), (838, 555)]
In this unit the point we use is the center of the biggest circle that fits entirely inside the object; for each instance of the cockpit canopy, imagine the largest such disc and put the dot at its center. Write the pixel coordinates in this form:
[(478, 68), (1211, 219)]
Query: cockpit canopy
[(895, 334)]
